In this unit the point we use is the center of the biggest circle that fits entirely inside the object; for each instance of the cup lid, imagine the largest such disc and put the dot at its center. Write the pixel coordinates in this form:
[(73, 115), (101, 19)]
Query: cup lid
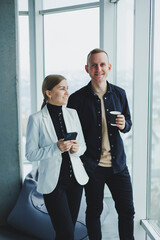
[(115, 112)]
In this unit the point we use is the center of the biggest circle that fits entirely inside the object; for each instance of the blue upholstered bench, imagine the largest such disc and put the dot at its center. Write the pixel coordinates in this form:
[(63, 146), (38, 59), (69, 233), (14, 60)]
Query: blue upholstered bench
[(31, 217)]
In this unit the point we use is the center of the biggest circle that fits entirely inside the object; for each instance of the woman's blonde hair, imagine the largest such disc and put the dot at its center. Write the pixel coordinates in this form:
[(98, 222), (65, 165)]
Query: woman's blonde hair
[(50, 82)]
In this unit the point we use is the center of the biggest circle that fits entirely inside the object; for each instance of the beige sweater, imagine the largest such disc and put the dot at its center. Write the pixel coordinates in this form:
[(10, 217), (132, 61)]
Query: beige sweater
[(106, 159)]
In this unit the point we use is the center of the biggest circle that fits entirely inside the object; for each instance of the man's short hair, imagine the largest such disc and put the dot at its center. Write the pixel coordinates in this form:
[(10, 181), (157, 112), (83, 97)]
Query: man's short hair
[(94, 51)]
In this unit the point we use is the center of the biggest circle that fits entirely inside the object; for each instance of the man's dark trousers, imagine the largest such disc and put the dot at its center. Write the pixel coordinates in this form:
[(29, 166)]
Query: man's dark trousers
[(121, 190)]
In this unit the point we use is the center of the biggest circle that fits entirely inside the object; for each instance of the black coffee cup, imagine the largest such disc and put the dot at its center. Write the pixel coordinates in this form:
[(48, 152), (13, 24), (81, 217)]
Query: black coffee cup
[(113, 116)]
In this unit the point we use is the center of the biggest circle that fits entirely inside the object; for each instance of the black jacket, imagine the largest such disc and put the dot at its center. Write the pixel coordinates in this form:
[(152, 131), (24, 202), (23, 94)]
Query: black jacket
[(88, 106)]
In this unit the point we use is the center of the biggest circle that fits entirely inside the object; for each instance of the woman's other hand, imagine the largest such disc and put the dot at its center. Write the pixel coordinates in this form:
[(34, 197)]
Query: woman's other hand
[(74, 147)]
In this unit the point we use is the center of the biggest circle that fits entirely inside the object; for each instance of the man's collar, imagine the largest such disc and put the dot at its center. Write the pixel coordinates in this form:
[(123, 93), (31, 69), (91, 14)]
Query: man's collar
[(90, 89)]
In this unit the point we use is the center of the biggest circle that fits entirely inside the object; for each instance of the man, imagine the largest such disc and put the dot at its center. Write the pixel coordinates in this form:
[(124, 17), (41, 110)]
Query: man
[(104, 159)]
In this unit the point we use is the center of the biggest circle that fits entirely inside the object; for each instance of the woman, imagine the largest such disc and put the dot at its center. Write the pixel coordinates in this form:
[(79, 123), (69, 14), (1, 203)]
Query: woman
[(61, 172)]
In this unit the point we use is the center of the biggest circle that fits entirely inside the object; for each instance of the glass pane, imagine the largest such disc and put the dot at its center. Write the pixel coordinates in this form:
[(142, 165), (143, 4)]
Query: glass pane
[(125, 29), (48, 4), (24, 84), (155, 157), (22, 5), (68, 39)]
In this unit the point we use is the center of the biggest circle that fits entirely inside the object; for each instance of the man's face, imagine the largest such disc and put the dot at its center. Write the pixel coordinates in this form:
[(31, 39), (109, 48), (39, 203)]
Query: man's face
[(98, 67)]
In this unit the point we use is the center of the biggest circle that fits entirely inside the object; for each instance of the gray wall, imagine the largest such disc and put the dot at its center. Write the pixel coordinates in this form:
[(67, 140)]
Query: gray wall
[(9, 134)]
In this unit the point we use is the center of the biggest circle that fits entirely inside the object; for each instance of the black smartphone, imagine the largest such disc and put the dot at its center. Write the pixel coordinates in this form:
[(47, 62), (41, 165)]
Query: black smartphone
[(70, 136)]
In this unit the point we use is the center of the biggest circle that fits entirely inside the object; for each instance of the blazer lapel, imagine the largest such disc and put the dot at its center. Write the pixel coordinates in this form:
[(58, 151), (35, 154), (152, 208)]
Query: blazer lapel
[(48, 123)]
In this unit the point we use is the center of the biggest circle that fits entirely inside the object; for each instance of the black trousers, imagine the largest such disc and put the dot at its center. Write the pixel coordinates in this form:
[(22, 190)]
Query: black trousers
[(121, 190), (63, 206)]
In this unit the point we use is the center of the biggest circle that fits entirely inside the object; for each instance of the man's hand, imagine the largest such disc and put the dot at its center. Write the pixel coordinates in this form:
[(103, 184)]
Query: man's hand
[(120, 122)]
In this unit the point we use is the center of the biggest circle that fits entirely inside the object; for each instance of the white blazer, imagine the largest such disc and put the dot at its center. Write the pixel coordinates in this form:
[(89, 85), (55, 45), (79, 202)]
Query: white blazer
[(41, 145)]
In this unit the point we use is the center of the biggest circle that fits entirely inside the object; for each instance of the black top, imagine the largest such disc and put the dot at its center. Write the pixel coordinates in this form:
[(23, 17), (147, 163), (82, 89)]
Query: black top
[(60, 128), (88, 106), (57, 119)]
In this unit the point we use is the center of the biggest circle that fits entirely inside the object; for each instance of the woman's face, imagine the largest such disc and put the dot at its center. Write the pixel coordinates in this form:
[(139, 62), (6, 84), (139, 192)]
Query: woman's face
[(59, 94)]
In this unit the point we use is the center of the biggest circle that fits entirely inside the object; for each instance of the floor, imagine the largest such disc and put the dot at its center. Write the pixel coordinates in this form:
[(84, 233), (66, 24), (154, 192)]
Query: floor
[(109, 227)]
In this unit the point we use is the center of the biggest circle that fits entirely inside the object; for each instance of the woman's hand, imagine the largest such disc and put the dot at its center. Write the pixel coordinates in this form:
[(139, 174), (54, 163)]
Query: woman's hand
[(75, 146), (64, 146), (120, 122)]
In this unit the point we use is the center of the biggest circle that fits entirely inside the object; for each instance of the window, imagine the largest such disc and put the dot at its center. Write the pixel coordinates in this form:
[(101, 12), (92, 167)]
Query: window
[(24, 84), (154, 205), (23, 5), (68, 38), (125, 30), (67, 42)]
